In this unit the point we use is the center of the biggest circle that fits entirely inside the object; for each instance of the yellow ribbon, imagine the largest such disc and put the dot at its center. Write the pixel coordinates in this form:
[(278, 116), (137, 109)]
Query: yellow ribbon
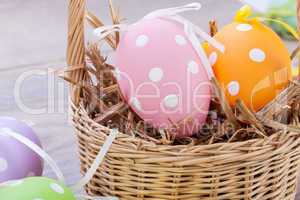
[(244, 15), (284, 25)]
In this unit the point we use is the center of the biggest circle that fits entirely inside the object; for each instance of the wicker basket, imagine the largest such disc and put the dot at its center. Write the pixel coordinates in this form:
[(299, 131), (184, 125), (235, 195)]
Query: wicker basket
[(262, 169)]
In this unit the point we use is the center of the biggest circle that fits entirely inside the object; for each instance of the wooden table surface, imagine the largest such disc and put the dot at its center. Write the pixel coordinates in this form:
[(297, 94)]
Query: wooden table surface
[(33, 45)]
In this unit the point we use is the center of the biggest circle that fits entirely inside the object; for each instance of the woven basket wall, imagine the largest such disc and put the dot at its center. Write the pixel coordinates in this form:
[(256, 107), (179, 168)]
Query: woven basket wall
[(134, 169)]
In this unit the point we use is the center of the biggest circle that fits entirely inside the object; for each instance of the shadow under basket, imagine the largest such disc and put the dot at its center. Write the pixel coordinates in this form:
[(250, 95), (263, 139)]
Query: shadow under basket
[(264, 168), (134, 168)]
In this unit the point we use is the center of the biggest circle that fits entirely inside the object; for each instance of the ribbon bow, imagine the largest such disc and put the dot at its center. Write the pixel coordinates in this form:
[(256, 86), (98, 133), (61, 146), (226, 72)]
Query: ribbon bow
[(245, 13), (192, 31)]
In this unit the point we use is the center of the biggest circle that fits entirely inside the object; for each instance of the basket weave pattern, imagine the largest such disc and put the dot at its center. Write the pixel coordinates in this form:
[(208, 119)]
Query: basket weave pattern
[(262, 169), (135, 169)]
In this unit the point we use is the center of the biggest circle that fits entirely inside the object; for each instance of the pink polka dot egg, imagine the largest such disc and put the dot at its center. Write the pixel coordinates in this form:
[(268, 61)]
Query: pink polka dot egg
[(162, 77)]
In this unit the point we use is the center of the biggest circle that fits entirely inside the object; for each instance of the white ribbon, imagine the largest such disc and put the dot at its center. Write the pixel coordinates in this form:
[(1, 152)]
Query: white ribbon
[(35, 148), (190, 29), (173, 11), (88, 176), (98, 160), (104, 31)]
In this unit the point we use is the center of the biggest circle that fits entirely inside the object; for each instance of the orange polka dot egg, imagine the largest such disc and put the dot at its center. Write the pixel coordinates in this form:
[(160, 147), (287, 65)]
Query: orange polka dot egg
[(255, 66)]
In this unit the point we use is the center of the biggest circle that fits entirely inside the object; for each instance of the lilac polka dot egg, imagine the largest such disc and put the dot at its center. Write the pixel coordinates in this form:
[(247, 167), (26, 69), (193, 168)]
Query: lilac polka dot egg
[(17, 160), (162, 77)]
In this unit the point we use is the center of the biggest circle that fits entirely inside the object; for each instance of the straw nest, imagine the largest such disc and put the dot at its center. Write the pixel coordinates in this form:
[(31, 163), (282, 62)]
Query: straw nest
[(101, 97)]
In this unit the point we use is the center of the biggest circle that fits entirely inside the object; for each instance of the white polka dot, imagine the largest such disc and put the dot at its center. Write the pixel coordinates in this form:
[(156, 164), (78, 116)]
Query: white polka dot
[(257, 55), (180, 40), (244, 27), (13, 183), (233, 88), (193, 67), (136, 103), (141, 41), (213, 57), (156, 74), (171, 101), (57, 188), (117, 73), (3, 165)]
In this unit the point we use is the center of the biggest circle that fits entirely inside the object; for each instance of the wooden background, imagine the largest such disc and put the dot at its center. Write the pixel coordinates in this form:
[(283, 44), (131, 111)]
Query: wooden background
[(33, 45)]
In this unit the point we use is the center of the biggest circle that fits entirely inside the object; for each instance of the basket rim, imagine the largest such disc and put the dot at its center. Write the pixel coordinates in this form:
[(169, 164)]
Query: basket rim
[(151, 146)]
